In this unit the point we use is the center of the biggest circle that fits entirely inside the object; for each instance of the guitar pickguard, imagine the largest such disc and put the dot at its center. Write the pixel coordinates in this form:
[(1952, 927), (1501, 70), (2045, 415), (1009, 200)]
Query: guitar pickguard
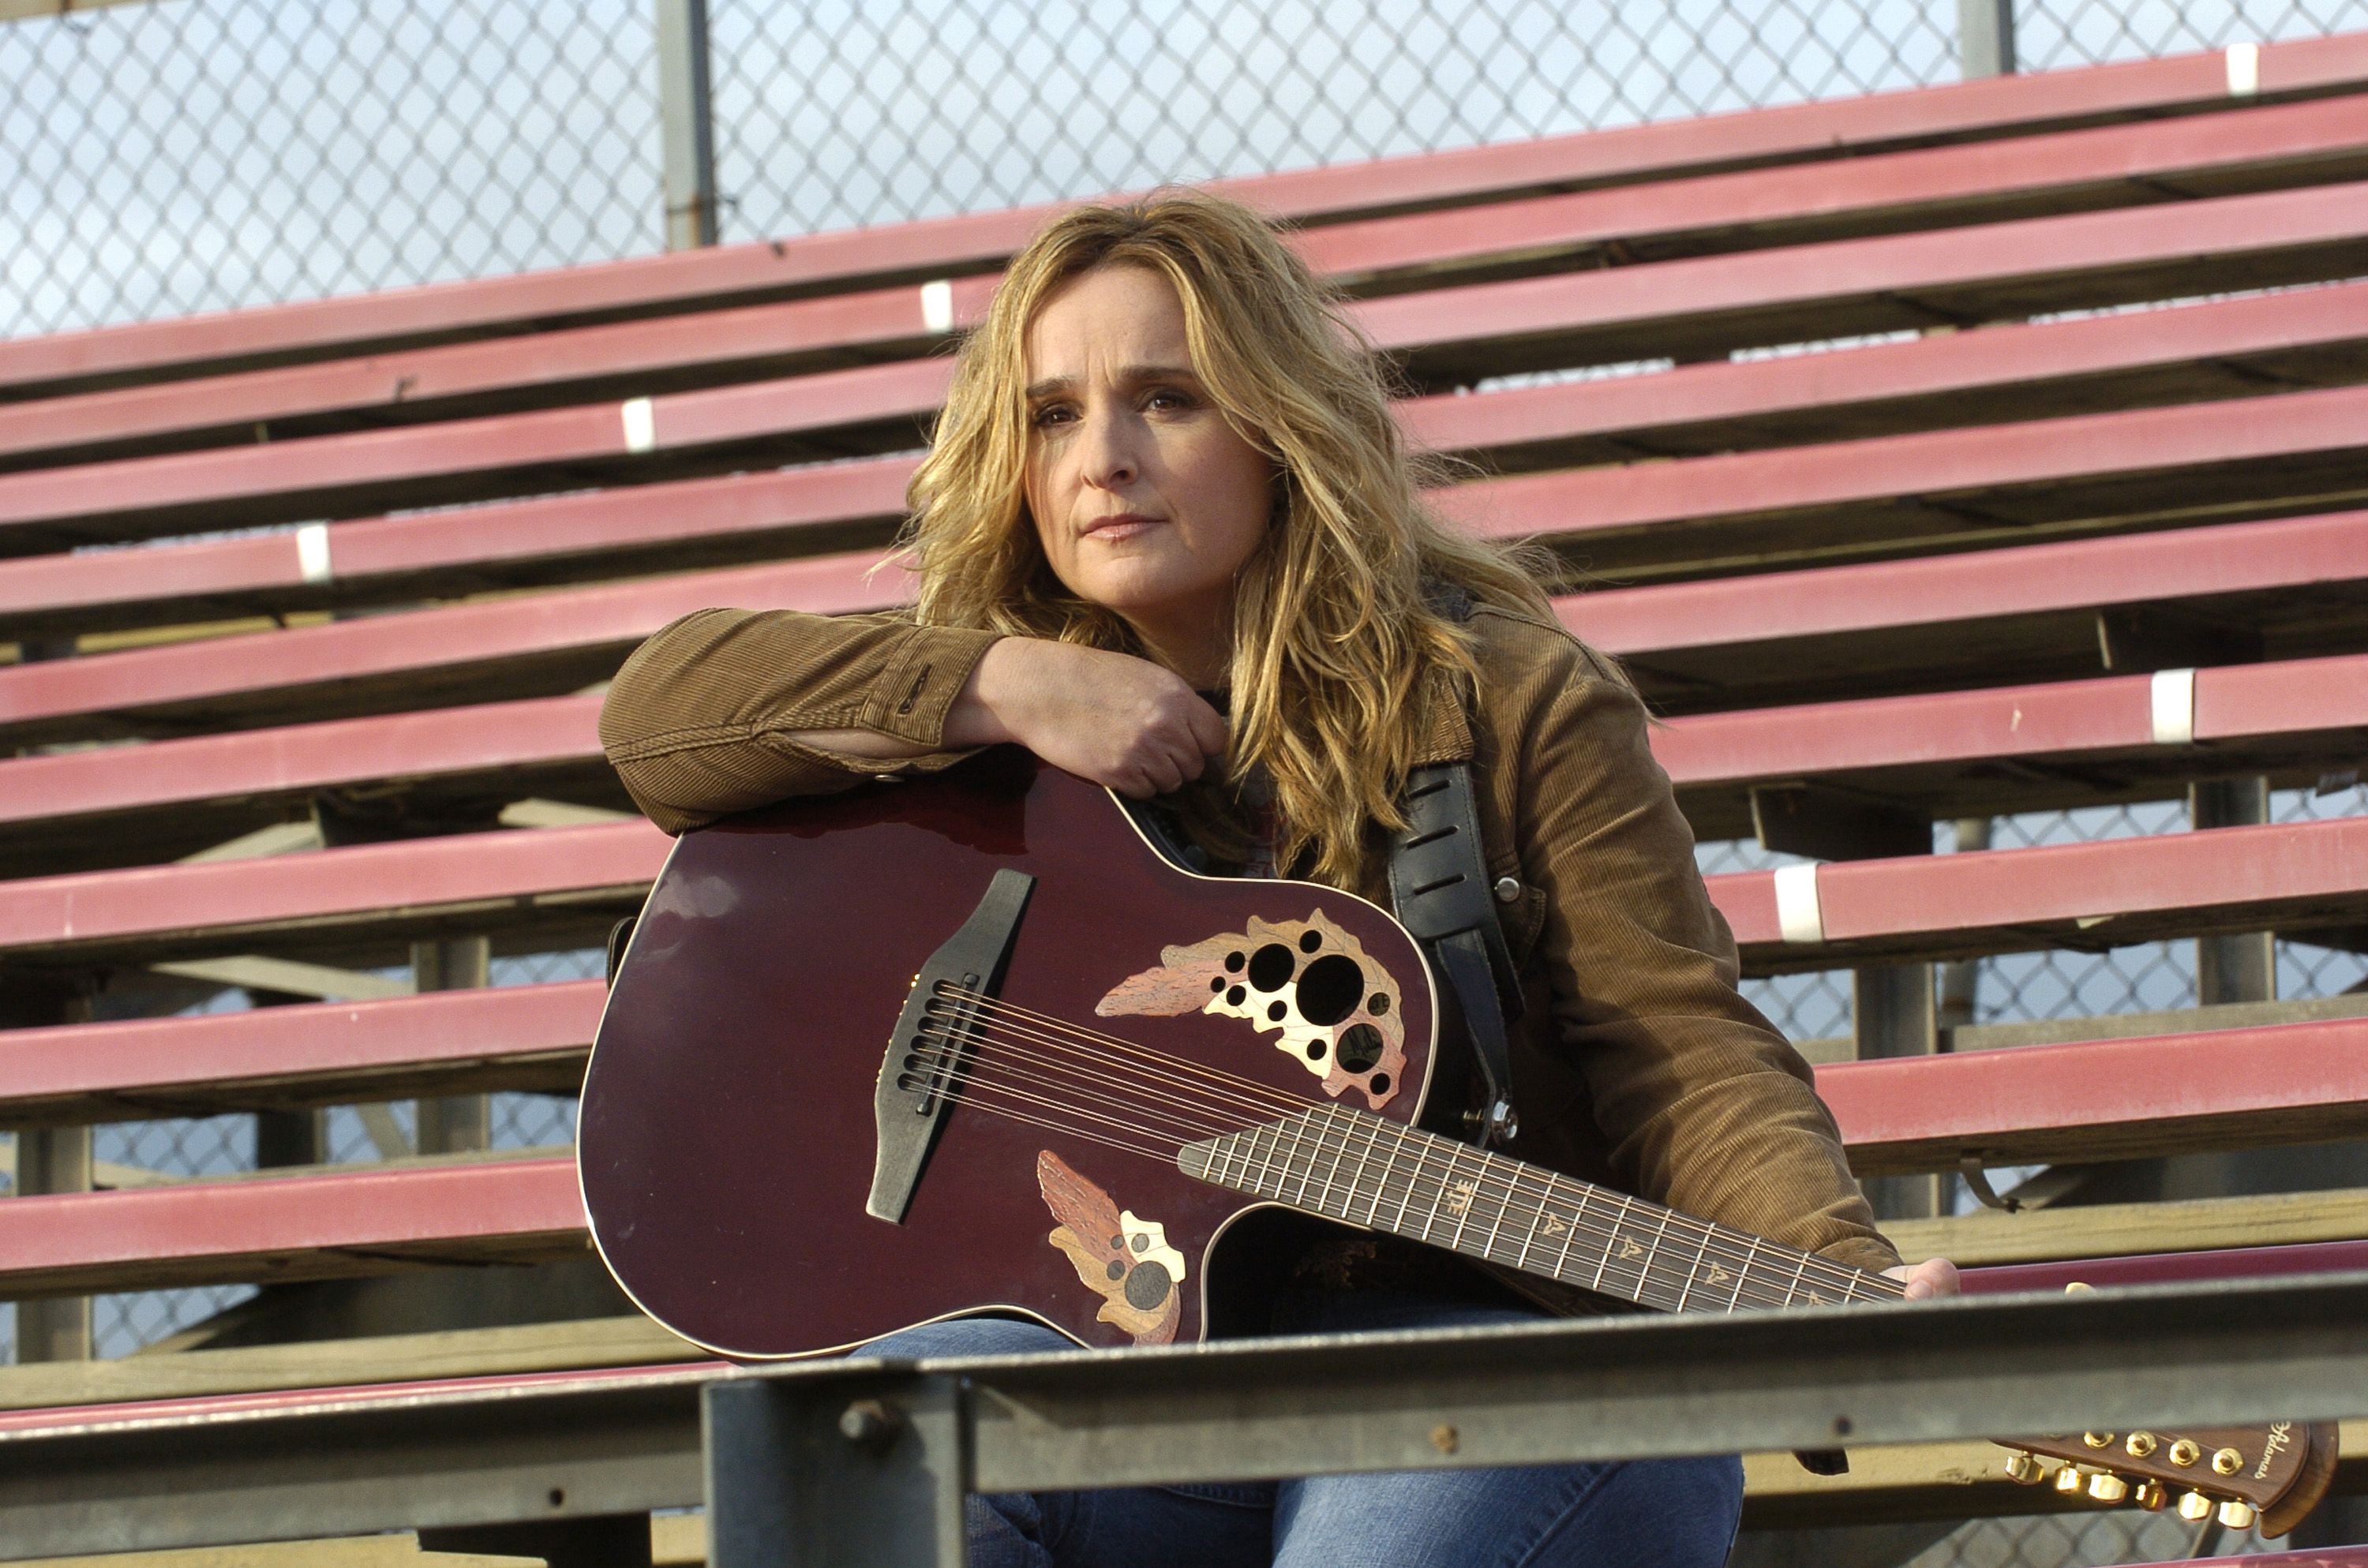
[(1338, 1011)]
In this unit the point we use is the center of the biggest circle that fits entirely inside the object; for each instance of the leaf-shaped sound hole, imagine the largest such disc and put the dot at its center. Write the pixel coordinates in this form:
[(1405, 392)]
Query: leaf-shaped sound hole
[(1310, 981)]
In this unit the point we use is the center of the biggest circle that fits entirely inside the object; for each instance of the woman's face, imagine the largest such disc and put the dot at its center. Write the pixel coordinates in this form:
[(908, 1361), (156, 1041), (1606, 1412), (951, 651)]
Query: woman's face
[(1145, 500)]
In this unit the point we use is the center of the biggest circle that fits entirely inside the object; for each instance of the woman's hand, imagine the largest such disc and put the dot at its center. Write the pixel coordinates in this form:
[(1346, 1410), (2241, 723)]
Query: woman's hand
[(1110, 718), (1933, 1277)]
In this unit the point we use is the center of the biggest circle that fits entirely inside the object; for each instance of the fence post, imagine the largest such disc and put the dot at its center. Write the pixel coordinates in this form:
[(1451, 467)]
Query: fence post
[(1986, 37), (689, 124)]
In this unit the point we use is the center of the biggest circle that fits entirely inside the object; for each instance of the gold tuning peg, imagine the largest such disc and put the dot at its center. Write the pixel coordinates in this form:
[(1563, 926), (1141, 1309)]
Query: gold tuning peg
[(2151, 1495), (2237, 1515), (2070, 1482), (2098, 1440), (2228, 1461), (2194, 1508), (2078, 1286), (2107, 1487), (2024, 1470)]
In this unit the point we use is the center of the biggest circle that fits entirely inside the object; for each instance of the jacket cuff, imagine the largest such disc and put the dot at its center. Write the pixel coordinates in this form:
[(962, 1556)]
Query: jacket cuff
[(914, 694)]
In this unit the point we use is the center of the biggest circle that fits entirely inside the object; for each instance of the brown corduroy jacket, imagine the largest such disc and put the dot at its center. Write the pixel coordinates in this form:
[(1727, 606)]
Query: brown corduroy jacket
[(1638, 1062)]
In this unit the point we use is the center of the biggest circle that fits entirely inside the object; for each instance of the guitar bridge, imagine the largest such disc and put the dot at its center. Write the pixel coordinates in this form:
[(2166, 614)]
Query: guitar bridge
[(928, 1050)]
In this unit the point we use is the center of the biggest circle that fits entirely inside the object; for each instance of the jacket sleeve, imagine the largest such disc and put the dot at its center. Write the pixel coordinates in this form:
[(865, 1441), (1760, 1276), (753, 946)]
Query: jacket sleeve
[(1702, 1104), (705, 718)]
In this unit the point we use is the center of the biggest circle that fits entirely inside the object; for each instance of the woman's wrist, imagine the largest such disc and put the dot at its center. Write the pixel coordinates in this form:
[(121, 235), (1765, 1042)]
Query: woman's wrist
[(977, 717)]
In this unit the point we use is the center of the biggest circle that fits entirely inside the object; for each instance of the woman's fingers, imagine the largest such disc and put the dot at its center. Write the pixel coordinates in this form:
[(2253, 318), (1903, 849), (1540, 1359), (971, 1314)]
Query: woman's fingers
[(1933, 1277)]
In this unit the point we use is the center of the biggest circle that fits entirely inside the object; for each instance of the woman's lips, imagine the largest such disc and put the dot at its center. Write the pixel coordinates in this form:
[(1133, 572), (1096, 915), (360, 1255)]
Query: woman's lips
[(1126, 526)]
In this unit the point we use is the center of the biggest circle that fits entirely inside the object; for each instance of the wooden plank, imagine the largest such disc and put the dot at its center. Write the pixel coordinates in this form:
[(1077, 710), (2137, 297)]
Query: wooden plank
[(719, 275), (1688, 309), (2311, 143), (524, 1036), (2037, 1235), (2016, 748), (347, 1552), (279, 1229), (1987, 617), (2224, 349), (2097, 894), (573, 876), (386, 1359), (2104, 1099)]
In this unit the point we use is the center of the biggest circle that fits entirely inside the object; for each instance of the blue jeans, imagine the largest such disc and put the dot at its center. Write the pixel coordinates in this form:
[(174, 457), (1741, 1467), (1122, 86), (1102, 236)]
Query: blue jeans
[(1645, 1514)]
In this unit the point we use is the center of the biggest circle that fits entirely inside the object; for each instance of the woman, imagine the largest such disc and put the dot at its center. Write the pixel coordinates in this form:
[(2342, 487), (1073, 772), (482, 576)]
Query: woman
[(1169, 538)]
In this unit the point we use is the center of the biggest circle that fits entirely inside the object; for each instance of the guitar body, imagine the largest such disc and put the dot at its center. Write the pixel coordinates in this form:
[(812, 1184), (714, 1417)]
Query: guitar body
[(729, 1130)]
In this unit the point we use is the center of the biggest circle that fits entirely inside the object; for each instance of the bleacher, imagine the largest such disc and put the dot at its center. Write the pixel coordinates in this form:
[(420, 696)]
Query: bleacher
[(2082, 521)]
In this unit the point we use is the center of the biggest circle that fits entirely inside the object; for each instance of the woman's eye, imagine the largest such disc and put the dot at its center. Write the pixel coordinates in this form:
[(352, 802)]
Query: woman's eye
[(1052, 413), (1168, 397)]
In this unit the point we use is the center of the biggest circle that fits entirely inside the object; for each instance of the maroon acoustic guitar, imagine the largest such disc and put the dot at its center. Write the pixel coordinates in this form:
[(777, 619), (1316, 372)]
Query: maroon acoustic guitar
[(928, 1048)]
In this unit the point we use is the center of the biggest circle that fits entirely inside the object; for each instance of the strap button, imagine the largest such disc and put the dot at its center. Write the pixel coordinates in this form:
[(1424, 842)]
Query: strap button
[(1507, 889)]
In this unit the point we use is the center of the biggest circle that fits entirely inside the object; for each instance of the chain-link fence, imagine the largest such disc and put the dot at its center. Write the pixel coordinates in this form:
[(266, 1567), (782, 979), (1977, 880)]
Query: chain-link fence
[(180, 155)]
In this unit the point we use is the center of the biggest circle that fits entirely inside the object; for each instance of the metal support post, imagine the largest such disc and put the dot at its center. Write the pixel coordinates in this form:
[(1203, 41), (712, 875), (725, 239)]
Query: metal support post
[(687, 116), (802, 1475), (53, 1159), (49, 1160), (1986, 37), (2242, 968), (1892, 1006), (1961, 980), (1891, 1013), (457, 1123)]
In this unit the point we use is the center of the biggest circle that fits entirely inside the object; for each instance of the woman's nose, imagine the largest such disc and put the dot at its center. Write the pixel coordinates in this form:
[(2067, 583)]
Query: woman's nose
[(1111, 455)]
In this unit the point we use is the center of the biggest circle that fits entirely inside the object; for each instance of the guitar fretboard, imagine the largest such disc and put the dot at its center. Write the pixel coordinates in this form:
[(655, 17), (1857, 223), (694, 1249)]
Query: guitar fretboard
[(1369, 1172)]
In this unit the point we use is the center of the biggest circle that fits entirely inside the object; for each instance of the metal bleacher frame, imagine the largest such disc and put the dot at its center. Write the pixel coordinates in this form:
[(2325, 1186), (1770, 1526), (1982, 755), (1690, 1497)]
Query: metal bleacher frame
[(2002, 564)]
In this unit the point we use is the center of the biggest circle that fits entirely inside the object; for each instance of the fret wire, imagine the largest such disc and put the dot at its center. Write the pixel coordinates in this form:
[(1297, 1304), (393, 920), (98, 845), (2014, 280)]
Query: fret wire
[(1743, 1274), (1607, 1244), (1339, 1153), (1571, 1234), (1463, 1219), (1537, 1218), (1298, 1157), (1489, 1248), (1272, 1132), (1793, 1289), (1381, 1188), (1357, 1179), (1645, 1270), (1693, 1275), (1399, 1224)]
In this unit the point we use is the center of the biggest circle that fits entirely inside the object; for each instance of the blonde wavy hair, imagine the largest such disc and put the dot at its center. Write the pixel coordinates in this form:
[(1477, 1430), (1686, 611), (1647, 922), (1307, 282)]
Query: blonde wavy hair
[(1335, 634)]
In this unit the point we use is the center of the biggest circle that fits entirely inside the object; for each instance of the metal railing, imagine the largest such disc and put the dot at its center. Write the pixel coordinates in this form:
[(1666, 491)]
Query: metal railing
[(868, 1460)]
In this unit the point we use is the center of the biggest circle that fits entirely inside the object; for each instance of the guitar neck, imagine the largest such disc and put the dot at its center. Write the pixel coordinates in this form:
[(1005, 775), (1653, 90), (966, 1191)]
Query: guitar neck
[(1367, 1171)]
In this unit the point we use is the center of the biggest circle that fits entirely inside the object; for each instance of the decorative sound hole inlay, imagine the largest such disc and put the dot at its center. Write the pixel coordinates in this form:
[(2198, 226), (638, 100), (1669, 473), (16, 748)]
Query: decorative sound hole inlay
[(1336, 1010), (1125, 1261)]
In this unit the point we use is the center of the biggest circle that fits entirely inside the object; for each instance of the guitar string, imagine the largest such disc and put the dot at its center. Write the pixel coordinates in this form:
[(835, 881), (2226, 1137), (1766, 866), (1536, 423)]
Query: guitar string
[(1188, 1092), (1119, 1045), (1736, 1246), (1650, 1277), (1509, 1188), (1842, 1276)]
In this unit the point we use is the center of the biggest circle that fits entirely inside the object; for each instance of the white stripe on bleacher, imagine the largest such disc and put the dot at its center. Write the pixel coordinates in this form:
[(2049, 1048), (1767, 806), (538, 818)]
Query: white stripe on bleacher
[(1798, 917), (937, 305), (641, 425), (313, 553), (2174, 708), (2244, 70)]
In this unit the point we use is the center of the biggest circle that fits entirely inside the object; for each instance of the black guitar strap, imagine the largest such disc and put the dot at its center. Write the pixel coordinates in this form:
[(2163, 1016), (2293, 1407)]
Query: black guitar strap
[(1438, 882)]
